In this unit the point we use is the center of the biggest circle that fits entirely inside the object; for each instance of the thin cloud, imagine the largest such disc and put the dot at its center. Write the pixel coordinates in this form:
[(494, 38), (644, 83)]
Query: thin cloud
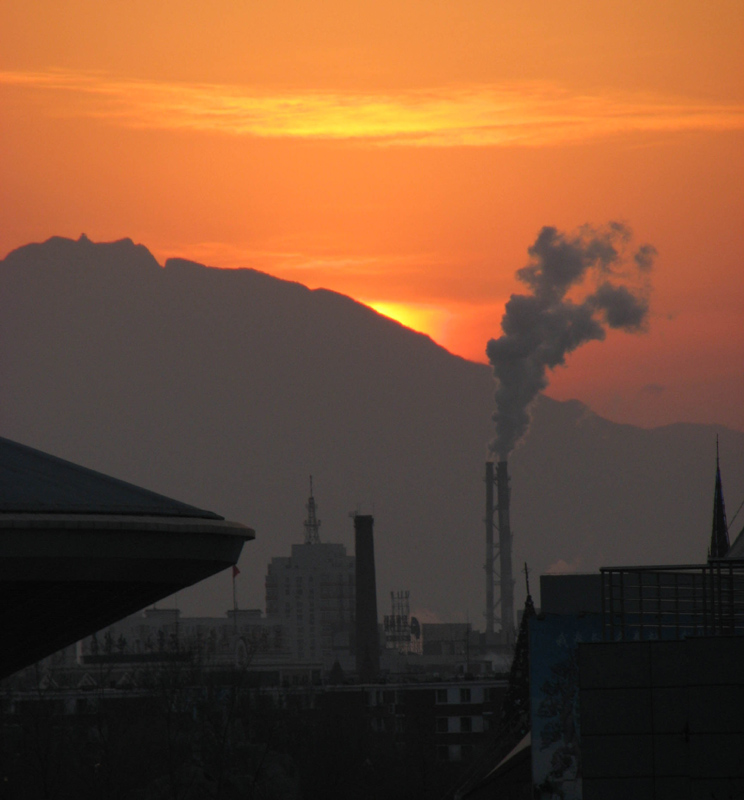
[(235, 256), (350, 272), (510, 115)]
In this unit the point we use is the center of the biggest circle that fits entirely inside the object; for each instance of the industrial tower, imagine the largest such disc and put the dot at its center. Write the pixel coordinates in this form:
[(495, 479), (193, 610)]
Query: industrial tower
[(503, 551)]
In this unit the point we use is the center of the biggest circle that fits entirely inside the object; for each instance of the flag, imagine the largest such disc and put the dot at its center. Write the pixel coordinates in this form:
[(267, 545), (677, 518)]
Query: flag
[(236, 571)]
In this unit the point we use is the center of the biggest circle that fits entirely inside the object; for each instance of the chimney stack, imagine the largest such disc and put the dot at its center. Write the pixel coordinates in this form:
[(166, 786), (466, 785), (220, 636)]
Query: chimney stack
[(490, 509), (505, 554), (367, 633)]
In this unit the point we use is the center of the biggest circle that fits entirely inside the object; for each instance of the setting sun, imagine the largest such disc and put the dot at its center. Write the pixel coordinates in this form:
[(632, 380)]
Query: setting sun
[(425, 319)]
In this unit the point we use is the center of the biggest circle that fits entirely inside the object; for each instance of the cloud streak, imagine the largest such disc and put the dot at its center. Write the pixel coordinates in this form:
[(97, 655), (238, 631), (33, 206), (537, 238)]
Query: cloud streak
[(533, 115)]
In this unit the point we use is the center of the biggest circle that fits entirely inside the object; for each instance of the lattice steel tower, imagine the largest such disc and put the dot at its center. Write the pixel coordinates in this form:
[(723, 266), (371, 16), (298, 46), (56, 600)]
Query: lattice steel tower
[(503, 551), (312, 523)]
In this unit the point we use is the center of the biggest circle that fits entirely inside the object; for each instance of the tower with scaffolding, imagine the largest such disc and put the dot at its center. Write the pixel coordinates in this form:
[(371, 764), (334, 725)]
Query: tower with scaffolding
[(312, 523), (499, 609), (312, 593)]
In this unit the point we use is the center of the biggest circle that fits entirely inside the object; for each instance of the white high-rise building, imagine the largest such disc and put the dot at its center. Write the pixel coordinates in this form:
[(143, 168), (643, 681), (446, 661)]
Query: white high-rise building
[(313, 594)]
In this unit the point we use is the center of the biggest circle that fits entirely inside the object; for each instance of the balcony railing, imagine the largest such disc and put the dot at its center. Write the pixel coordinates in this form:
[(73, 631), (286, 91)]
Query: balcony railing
[(673, 602)]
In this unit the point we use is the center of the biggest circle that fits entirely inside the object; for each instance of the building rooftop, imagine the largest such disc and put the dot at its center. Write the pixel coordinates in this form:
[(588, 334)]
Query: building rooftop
[(35, 482)]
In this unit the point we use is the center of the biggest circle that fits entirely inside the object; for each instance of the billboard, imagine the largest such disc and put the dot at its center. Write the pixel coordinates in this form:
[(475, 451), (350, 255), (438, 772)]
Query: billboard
[(554, 701)]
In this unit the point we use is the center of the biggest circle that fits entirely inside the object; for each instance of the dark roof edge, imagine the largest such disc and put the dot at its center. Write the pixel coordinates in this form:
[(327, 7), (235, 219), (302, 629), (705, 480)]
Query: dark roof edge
[(20, 458)]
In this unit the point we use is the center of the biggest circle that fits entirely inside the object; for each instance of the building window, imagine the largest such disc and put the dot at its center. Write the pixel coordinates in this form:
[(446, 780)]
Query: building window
[(464, 695), (442, 752), (466, 724), (442, 724), (467, 751), (441, 695)]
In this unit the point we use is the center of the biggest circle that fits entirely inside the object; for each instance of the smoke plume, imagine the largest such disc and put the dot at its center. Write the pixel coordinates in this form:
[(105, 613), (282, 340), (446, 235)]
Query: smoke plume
[(541, 328)]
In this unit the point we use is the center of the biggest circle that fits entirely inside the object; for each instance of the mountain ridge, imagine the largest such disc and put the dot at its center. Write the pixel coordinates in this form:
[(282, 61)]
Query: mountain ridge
[(226, 388)]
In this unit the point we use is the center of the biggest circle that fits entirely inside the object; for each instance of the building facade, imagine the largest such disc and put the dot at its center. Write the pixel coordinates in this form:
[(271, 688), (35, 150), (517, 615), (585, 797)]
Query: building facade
[(312, 594)]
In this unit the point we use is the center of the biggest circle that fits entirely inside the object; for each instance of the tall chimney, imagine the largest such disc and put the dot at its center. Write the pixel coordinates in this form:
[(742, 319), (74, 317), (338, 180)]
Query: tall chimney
[(505, 543), (367, 634), (489, 549)]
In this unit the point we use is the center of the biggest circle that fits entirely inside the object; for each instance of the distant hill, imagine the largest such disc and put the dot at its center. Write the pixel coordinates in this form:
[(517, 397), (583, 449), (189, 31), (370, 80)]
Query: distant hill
[(227, 388)]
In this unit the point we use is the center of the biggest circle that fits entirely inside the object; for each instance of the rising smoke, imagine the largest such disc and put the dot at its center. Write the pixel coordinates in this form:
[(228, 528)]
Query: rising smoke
[(540, 328)]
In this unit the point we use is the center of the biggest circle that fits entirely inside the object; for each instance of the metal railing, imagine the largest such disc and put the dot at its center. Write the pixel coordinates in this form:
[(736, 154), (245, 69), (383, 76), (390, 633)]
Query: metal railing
[(673, 602)]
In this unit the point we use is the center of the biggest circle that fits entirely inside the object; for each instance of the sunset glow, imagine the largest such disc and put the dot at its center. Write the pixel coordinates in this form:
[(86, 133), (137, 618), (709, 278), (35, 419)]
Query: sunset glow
[(432, 321), (406, 154)]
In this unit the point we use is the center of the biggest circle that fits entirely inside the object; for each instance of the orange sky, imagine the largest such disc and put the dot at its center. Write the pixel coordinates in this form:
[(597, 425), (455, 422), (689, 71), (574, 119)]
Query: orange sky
[(405, 153)]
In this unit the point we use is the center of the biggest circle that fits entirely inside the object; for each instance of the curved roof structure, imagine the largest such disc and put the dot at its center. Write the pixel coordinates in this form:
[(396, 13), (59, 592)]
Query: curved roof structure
[(35, 482), (80, 550)]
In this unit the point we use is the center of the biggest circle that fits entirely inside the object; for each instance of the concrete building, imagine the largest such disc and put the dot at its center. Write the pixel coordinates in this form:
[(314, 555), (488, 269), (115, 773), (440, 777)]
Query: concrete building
[(662, 719), (375, 740), (312, 594), (130, 652), (241, 638)]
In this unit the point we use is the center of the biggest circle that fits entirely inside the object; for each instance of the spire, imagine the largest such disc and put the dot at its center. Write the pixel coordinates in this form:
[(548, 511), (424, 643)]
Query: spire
[(515, 710), (312, 523), (719, 538)]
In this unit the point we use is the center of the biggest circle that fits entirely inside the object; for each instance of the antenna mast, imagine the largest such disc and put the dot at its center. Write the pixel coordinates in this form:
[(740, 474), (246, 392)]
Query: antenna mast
[(312, 523)]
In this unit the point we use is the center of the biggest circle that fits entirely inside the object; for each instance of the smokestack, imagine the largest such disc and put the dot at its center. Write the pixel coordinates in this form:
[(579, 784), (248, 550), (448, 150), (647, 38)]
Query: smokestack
[(489, 549), (367, 634), (505, 557)]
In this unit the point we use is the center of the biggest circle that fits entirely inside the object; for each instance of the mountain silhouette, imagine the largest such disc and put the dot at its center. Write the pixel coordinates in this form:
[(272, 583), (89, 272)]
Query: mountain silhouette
[(226, 389)]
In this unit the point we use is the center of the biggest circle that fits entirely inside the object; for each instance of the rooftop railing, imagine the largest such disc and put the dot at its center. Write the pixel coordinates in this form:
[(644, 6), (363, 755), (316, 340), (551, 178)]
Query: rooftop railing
[(673, 602)]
